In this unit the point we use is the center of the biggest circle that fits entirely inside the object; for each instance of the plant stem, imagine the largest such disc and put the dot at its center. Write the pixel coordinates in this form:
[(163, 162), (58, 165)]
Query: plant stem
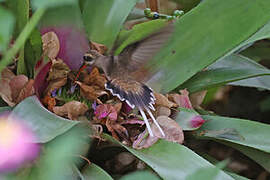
[(153, 5), (21, 38)]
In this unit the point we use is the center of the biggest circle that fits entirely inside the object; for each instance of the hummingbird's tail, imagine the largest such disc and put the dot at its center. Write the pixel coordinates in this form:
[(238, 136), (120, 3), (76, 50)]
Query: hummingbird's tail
[(135, 94), (147, 123)]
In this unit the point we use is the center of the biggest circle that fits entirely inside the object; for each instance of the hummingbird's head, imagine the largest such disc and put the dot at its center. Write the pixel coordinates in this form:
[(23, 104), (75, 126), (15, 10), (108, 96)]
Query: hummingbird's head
[(90, 57)]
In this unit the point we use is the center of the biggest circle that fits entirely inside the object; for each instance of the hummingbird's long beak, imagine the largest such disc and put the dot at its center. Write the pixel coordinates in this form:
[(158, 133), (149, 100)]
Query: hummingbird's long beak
[(83, 66)]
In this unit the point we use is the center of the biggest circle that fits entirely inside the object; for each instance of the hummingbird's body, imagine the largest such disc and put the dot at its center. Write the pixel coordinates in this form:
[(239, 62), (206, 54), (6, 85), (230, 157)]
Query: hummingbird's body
[(126, 72)]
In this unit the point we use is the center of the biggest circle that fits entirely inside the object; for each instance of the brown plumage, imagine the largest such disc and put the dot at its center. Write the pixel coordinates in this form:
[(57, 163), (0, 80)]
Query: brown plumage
[(127, 72)]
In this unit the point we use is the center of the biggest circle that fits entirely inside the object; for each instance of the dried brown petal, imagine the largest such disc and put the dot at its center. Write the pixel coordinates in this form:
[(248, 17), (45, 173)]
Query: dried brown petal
[(163, 111), (182, 100), (98, 47), (101, 81), (163, 101), (16, 84), (58, 70), (197, 98), (26, 91), (49, 102), (106, 111), (90, 92), (5, 92), (72, 109), (173, 132), (117, 129), (118, 107), (95, 78), (144, 142), (7, 74), (51, 45)]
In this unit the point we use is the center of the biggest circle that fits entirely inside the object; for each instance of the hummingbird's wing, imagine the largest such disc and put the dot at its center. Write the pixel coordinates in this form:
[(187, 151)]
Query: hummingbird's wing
[(135, 57)]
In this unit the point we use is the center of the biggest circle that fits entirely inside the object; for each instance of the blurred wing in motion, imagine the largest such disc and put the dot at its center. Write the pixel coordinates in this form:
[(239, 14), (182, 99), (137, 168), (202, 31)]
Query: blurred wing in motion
[(136, 56)]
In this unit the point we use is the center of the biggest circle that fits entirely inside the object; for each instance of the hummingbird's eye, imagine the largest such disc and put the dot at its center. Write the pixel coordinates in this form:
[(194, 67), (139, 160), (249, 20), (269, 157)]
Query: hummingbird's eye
[(87, 58)]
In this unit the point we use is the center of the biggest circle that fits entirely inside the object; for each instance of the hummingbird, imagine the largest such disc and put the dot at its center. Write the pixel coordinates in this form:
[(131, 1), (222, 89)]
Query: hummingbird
[(127, 74)]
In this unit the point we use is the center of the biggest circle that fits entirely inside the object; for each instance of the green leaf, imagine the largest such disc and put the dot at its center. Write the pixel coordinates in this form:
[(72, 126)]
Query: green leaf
[(140, 175), (170, 160), (232, 68), (95, 172), (207, 34), (58, 16), (239, 131), (204, 173), (33, 51), (258, 156), (138, 32), (103, 19), (42, 122), (184, 118), (51, 3), (58, 156), (4, 109), (19, 43), (6, 23)]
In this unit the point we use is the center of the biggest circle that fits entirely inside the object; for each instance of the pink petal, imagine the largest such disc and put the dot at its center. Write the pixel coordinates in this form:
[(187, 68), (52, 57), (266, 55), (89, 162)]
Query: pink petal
[(184, 99), (15, 146), (197, 121)]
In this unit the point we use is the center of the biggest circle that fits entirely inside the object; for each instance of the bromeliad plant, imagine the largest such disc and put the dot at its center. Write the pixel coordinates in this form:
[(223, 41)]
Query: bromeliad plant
[(203, 52)]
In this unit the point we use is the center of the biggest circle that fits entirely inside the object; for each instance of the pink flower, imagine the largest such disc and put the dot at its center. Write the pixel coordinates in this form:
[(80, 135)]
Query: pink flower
[(15, 145)]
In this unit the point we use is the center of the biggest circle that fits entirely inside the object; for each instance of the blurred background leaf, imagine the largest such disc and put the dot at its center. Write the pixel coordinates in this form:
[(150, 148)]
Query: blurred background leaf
[(7, 22), (59, 156), (140, 175), (231, 68), (197, 44), (103, 19), (19, 43), (51, 3), (42, 122)]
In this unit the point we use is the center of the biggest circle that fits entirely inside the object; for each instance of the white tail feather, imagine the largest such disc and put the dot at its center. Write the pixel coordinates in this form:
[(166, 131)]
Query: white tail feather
[(146, 122), (155, 121)]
